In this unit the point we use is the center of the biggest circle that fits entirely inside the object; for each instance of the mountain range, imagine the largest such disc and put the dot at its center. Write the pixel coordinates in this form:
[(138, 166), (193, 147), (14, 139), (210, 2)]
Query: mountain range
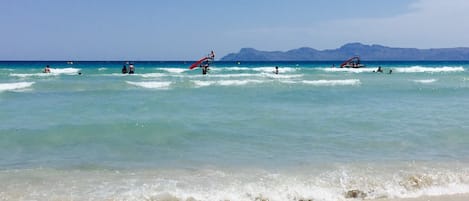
[(366, 52)]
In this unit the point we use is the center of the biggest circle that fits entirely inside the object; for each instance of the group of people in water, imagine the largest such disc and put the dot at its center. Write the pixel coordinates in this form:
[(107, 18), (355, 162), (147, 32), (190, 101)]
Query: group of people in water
[(204, 66), (130, 71)]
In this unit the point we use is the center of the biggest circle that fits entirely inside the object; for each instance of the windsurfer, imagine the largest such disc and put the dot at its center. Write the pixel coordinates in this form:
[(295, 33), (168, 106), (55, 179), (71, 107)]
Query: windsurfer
[(211, 55), (204, 62), (205, 69)]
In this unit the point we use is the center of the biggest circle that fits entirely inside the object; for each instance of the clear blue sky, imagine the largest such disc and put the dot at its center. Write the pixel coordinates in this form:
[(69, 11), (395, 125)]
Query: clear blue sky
[(188, 29)]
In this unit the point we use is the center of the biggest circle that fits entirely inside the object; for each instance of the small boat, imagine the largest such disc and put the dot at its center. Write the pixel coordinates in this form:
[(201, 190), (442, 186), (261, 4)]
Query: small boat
[(353, 62)]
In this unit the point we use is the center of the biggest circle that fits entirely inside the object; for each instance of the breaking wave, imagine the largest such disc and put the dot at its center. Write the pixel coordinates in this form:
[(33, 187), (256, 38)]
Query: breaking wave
[(53, 72), (325, 82), (151, 85), (173, 70), (425, 81), (201, 83), (350, 70), (337, 184), (420, 69), (15, 86)]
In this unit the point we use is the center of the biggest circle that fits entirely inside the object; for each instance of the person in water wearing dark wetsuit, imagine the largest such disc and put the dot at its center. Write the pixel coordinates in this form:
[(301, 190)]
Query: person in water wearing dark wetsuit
[(124, 69)]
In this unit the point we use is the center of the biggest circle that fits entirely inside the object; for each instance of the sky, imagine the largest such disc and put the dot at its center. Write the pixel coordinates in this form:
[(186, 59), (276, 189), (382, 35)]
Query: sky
[(189, 29)]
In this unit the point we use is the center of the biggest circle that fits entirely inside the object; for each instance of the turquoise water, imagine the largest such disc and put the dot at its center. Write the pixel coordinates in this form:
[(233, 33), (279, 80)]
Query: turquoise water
[(238, 133)]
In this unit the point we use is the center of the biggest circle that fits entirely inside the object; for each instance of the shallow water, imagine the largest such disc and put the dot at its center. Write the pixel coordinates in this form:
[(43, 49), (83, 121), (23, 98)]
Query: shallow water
[(238, 133)]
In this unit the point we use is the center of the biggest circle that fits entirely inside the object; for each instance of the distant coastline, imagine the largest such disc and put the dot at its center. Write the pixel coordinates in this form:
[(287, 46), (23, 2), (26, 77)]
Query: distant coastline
[(366, 52)]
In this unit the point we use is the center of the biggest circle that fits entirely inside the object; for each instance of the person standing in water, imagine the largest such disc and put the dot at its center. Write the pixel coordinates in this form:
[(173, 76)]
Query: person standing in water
[(46, 69), (379, 70), (211, 56), (131, 69), (276, 70), (205, 69), (124, 69)]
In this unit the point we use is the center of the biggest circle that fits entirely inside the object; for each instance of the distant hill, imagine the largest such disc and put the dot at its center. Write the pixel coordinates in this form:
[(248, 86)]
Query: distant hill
[(366, 52)]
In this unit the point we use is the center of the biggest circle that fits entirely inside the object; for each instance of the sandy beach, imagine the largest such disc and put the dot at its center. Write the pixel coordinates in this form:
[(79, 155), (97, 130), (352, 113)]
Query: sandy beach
[(457, 197)]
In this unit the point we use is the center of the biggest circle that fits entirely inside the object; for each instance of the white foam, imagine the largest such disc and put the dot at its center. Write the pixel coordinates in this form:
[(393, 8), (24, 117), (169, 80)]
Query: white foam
[(350, 70), (272, 69), (420, 69), (151, 85), (67, 71), (281, 76), (240, 184), (266, 69), (15, 86), (23, 75), (332, 82), (232, 75), (288, 81), (53, 72), (102, 69), (114, 74), (146, 75), (174, 70), (234, 68), (425, 81), (238, 82), (261, 75), (201, 83)]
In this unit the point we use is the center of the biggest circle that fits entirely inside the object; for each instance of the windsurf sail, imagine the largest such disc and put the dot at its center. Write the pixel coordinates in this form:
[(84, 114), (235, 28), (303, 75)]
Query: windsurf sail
[(197, 64), (206, 60), (353, 62)]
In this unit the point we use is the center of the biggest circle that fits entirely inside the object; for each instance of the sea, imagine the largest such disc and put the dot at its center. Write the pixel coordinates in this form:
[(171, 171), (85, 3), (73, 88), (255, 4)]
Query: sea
[(240, 133)]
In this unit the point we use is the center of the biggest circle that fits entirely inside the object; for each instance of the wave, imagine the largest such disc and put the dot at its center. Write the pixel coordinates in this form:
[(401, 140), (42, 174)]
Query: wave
[(102, 69), (229, 75), (151, 85), (173, 70), (67, 71), (351, 82), (6, 69), (420, 69), (425, 81), (263, 75), (338, 184), (201, 83), (233, 68), (271, 69), (214, 75), (325, 82), (350, 70), (266, 69), (53, 72), (281, 76), (147, 75), (15, 86)]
